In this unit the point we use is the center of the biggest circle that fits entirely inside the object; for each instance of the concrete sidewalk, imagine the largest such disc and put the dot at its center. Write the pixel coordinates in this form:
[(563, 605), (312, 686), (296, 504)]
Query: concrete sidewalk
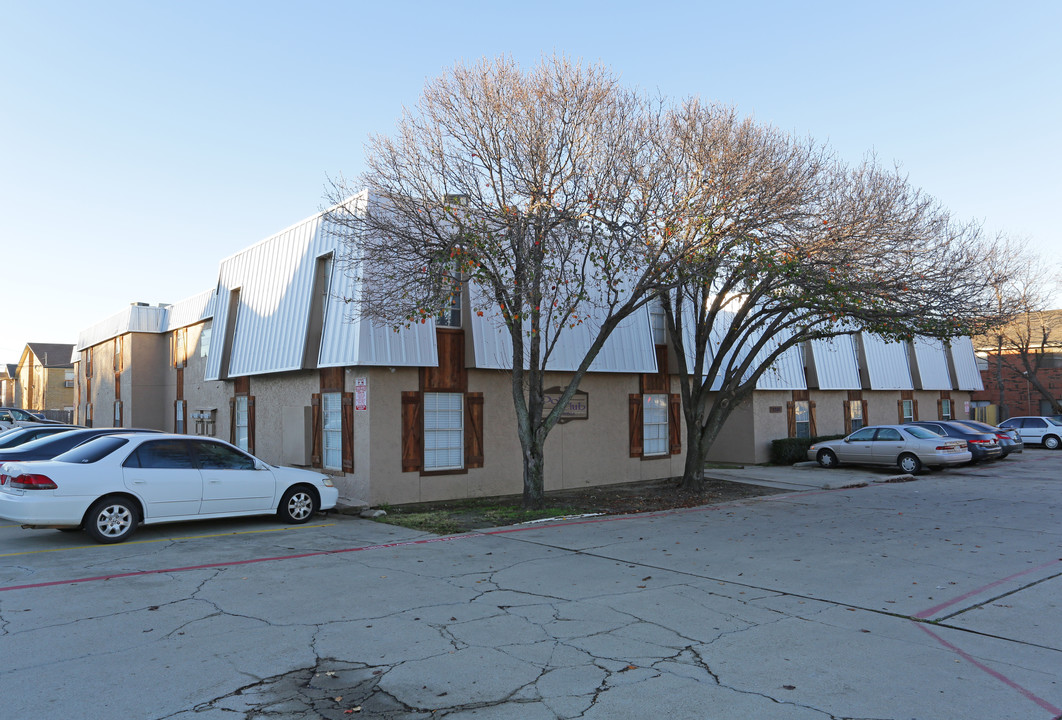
[(807, 476)]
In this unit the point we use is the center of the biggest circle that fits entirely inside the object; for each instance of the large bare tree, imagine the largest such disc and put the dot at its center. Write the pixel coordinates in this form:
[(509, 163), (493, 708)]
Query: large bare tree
[(1024, 333), (537, 188), (781, 245)]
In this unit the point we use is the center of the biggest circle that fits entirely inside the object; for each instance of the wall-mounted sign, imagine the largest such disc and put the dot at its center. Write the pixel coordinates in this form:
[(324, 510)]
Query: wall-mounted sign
[(361, 394), (578, 408)]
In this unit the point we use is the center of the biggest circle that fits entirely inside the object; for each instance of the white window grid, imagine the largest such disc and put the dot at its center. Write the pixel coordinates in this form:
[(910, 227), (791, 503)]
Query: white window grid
[(908, 410), (802, 411), (242, 434), (444, 431), (856, 413), (654, 424), (332, 426), (945, 409)]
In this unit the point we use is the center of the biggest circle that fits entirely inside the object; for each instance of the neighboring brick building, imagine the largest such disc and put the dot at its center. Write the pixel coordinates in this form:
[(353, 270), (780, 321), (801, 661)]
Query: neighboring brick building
[(46, 376), (1020, 395)]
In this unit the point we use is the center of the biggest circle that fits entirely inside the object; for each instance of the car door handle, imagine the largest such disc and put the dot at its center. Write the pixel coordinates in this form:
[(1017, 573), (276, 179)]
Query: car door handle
[(214, 482), (140, 482)]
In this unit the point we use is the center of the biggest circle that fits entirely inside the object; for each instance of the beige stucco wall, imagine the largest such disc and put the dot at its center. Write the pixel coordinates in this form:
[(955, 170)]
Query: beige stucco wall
[(578, 453)]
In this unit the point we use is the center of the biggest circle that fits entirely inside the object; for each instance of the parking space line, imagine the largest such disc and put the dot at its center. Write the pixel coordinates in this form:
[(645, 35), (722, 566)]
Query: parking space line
[(169, 539), (1028, 694), (928, 613)]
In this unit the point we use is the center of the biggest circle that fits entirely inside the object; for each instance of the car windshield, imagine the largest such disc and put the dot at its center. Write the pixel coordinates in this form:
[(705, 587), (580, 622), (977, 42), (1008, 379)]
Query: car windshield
[(43, 442), (921, 432), (93, 450)]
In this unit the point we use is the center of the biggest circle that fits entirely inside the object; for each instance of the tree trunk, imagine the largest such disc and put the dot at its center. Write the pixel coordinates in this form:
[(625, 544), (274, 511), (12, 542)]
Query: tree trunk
[(534, 473), (693, 472)]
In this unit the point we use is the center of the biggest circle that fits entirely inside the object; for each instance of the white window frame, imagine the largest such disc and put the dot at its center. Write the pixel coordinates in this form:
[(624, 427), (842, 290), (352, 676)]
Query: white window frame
[(242, 423), (802, 427), (655, 436), (908, 410), (451, 317), (855, 413), (444, 439), (945, 409), (658, 323), (178, 418), (332, 430)]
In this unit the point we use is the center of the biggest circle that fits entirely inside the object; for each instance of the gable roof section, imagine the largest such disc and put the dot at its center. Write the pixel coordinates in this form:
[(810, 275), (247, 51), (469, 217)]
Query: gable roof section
[(269, 288), (836, 363), (930, 364), (52, 355), (886, 363)]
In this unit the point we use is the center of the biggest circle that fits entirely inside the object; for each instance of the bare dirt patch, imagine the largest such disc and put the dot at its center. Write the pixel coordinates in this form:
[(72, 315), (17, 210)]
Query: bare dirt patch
[(623, 499)]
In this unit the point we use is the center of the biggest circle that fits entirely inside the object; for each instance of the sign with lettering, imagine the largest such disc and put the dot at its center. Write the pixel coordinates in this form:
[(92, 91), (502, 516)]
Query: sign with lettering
[(361, 394), (578, 408)]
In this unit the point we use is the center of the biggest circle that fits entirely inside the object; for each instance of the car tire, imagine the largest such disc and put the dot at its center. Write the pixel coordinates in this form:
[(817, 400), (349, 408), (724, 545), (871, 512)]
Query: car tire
[(112, 519), (297, 505), (1051, 442), (909, 463), (827, 459)]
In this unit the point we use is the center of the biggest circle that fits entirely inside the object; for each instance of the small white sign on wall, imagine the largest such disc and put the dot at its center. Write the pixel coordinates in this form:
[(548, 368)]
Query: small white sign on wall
[(361, 394), (967, 406)]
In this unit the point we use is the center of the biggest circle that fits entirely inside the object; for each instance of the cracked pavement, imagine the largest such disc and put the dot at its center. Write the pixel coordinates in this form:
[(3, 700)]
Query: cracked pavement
[(933, 600)]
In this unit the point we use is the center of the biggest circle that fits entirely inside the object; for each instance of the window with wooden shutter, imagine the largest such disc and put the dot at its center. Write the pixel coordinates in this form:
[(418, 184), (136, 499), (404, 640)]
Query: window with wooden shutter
[(412, 431), (315, 431), (474, 430), (348, 432), (813, 428), (634, 417), (790, 419), (847, 417), (674, 419)]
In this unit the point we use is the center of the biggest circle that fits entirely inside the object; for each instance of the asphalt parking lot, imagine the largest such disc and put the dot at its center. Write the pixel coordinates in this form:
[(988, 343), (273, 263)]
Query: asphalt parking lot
[(932, 599)]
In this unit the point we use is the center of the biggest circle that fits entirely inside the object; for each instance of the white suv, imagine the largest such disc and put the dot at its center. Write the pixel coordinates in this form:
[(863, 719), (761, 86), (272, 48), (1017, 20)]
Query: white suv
[(1037, 429)]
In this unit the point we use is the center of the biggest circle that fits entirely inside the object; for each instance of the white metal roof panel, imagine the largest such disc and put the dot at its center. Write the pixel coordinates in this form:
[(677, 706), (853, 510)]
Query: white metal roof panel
[(931, 364), (135, 318), (190, 311), (628, 349), (964, 363), (887, 363), (836, 363)]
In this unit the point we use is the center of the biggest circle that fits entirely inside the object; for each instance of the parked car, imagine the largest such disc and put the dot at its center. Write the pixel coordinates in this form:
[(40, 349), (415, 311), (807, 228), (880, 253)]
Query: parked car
[(21, 435), (1038, 429), (1009, 439), (17, 417), (982, 445), (111, 484), (46, 448), (907, 446)]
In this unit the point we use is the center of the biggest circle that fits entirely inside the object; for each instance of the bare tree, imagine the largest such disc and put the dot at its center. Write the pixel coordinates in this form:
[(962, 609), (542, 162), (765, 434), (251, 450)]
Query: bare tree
[(781, 246), (539, 190), (1023, 332)]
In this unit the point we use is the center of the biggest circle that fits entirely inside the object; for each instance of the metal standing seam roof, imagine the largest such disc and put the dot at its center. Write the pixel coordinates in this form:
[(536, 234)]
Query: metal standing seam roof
[(931, 364), (190, 311), (836, 363), (135, 318), (785, 373), (275, 280), (887, 363), (964, 364), (629, 349)]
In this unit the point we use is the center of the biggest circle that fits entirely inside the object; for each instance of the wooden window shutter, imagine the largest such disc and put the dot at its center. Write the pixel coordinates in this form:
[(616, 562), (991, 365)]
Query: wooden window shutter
[(847, 417), (474, 430), (232, 420), (635, 419), (315, 430), (674, 423), (940, 409), (914, 411), (790, 419), (812, 427), (412, 431), (866, 415), (348, 431), (899, 412), (250, 424)]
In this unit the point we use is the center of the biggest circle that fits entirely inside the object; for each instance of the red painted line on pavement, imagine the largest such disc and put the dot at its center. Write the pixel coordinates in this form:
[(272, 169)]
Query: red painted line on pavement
[(1055, 712), (925, 614), (424, 541)]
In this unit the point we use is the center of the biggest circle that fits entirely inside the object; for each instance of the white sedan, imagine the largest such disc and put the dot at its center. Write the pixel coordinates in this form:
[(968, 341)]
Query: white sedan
[(111, 484), (909, 447)]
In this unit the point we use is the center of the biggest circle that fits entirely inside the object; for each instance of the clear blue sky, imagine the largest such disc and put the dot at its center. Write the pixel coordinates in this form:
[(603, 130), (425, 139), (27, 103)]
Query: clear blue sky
[(142, 142)]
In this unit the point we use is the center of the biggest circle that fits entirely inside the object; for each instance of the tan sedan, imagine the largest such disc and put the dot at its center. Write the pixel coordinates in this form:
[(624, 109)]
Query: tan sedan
[(909, 447)]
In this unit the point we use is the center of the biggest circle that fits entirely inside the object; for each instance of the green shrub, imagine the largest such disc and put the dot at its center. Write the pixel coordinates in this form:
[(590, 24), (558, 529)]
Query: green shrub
[(787, 451)]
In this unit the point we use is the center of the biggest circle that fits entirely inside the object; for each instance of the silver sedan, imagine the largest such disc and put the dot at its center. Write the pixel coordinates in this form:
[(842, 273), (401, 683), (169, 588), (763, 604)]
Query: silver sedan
[(909, 447)]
